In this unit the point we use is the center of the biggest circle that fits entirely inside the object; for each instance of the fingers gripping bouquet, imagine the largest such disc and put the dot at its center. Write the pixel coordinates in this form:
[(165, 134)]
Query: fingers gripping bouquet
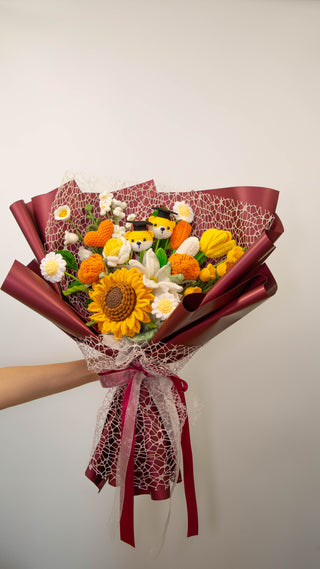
[(142, 279)]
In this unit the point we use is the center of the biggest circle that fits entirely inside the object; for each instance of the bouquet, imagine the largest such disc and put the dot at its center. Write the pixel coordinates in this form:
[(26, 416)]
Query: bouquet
[(141, 279)]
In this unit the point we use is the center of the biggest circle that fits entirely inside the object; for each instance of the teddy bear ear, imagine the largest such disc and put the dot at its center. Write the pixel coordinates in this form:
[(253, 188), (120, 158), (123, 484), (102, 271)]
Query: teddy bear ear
[(151, 235), (127, 235)]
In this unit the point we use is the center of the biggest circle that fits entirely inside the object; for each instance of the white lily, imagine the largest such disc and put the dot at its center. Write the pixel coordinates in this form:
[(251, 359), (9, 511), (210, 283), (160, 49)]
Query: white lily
[(153, 276)]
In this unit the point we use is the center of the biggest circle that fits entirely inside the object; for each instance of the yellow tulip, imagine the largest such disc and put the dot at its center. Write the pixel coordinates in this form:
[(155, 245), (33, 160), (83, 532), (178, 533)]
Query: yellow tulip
[(216, 243)]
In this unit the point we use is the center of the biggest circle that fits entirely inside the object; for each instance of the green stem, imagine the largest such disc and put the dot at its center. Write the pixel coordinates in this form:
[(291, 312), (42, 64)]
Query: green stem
[(71, 276), (76, 230)]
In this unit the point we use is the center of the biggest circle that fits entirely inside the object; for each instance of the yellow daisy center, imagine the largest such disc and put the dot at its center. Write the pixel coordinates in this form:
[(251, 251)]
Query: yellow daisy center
[(51, 267), (63, 213), (165, 306), (184, 211)]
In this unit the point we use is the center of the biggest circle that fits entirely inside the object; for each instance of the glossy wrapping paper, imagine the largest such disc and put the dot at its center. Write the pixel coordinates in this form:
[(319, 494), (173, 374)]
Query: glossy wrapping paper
[(197, 319)]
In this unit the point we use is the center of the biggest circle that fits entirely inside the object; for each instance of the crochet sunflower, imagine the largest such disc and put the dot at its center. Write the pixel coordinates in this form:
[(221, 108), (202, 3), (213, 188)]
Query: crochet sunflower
[(120, 303)]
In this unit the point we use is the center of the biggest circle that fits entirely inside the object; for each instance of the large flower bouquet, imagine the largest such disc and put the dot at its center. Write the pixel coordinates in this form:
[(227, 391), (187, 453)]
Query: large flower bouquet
[(141, 279)]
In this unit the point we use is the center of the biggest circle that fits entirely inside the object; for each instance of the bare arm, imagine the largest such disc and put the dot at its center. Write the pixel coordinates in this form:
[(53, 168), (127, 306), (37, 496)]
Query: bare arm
[(25, 383)]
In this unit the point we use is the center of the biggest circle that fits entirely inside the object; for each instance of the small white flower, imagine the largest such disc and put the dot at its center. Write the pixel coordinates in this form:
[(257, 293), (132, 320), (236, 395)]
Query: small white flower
[(131, 217), (118, 203), (118, 213), (183, 211), (105, 202), (84, 253), (70, 238), (164, 304), (118, 231), (62, 213), (52, 267), (104, 208), (106, 196)]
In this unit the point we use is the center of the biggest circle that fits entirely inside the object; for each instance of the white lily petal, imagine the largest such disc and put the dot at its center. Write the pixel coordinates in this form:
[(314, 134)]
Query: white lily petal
[(138, 265), (149, 283), (151, 262)]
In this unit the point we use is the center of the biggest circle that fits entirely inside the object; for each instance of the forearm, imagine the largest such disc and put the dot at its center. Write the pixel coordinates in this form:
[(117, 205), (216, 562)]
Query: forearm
[(25, 383)]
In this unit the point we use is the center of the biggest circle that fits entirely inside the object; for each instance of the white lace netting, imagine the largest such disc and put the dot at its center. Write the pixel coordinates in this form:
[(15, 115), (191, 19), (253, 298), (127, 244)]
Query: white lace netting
[(160, 414)]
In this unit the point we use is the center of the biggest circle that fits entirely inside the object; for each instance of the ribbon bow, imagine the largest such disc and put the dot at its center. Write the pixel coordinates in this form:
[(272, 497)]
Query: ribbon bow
[(132, 376)]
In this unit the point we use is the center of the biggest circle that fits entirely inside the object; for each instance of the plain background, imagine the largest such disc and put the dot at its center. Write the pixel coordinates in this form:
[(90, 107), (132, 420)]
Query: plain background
[(193, 94)]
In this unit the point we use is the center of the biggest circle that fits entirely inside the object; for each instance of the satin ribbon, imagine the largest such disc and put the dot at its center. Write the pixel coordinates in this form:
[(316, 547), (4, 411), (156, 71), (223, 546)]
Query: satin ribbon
[(132, 377)]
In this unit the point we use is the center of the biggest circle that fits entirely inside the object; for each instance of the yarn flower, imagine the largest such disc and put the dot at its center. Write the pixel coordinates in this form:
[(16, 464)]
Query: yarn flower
[(184, 264), (90, 269), (52, 267), (208, 273), (164, 304), (62, 213), (117, 251), (120, 303), (155, 277), (183, 211), (216, 243), (70, 238)]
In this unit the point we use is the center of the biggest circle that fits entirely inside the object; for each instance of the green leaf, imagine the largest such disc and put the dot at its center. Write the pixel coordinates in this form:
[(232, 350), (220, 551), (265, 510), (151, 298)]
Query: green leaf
[(177, 279), (162, 257), (70, 259), (143, 336), (74, 288), (151, 326)]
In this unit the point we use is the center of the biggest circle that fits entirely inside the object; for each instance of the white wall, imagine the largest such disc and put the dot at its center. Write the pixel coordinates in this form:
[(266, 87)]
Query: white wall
[(194, 94)]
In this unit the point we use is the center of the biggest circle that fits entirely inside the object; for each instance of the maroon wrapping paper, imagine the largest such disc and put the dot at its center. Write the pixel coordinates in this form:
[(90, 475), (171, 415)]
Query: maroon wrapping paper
[(29, 288)]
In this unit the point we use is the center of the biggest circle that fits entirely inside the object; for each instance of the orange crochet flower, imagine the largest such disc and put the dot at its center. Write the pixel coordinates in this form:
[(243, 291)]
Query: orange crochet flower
[(90, 269), (100, 237), (184, 264)]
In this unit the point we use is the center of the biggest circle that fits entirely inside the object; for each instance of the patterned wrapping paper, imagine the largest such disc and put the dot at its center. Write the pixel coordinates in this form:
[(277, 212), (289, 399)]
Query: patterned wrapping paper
[(142, 437)]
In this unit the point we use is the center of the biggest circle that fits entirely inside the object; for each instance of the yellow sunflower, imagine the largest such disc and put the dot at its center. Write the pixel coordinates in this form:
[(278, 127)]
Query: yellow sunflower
[(120, 303)]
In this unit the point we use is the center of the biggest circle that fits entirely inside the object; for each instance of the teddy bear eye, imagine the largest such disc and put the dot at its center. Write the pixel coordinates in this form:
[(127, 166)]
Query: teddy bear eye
[(155, 224), (144, 239), (132, 240), (168, 228)]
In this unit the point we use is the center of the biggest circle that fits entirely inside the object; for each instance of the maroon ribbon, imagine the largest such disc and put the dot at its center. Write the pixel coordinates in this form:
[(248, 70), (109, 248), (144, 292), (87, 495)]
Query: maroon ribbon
[(111, 378)]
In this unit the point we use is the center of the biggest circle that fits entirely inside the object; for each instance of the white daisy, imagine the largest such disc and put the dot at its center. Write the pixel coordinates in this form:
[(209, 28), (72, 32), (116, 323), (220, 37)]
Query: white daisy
[(164, 304), (84, 253), (153, 276), (62, 213), (183, 211), (70, 238), (52, 267)]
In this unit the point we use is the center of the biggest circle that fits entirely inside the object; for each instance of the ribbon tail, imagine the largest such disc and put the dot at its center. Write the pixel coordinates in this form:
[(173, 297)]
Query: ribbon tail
[(189, 487), (127, 513)]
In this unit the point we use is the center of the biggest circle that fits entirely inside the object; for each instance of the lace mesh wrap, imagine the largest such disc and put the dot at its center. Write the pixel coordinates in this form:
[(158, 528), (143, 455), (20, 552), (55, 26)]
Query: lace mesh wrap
[(159, 420)]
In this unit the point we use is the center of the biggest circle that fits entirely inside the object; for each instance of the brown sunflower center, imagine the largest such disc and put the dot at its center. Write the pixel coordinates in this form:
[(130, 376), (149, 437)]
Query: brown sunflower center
[(119, 302)]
